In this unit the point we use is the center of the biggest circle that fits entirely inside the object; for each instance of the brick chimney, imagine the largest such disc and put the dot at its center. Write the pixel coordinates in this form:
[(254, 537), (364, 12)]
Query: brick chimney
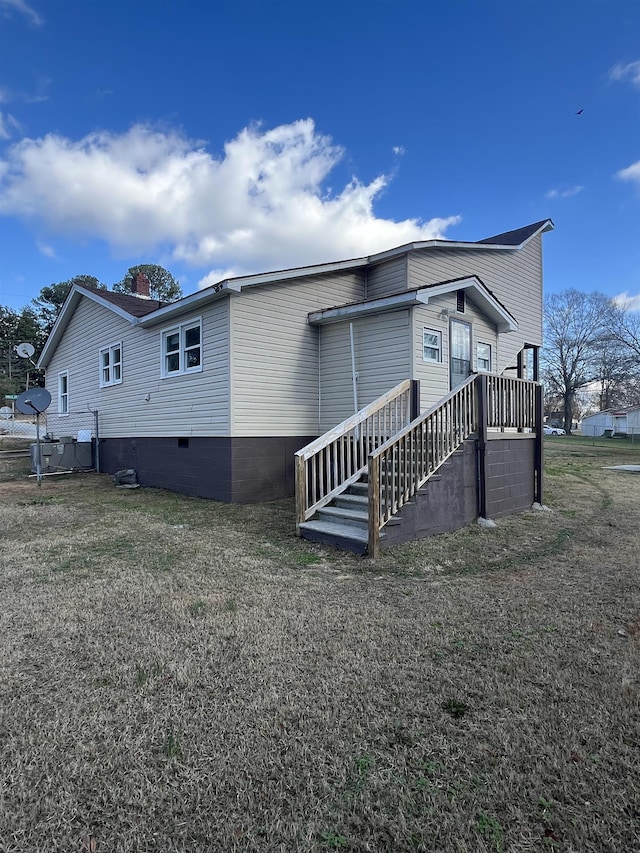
[(140, 286)]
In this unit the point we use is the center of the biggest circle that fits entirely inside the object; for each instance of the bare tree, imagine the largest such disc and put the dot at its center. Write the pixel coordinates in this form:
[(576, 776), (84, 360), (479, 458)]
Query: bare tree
[(616, 369), (625, 327), (574, 323)]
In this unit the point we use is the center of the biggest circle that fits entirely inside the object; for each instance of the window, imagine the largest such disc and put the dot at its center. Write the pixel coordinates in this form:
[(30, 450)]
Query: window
[(111, 365), (63, 393), (182, 349), (432, 345), (483, 357)]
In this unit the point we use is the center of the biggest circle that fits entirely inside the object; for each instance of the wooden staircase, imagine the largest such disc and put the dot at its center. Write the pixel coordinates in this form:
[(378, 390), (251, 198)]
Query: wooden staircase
[(344, 522), (353, 481)]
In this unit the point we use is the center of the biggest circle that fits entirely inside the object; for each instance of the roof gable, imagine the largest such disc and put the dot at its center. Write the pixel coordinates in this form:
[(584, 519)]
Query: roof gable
[(129, 308)]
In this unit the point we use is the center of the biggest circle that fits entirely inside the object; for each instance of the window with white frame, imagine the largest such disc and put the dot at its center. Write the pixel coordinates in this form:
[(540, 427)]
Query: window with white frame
[(63, 393), (483, 357), (111, 365), (182, 349), (431, 345)]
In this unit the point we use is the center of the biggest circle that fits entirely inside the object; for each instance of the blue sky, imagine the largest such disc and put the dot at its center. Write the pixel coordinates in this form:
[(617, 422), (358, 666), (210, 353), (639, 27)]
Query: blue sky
[(219, 138)]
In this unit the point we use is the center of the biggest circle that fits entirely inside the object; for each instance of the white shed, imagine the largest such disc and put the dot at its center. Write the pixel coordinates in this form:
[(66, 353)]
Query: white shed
[(621, 421)]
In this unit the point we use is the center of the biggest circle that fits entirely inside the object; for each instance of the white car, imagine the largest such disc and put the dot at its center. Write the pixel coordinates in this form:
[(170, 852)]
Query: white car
[(549, 430)]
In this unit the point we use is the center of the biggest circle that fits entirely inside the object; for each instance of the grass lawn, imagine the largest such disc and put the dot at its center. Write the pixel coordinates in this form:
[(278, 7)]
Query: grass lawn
[(183, 675)]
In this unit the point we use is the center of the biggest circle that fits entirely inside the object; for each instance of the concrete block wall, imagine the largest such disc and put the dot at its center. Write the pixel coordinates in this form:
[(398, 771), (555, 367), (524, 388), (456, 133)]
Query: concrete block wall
[(510, 475)]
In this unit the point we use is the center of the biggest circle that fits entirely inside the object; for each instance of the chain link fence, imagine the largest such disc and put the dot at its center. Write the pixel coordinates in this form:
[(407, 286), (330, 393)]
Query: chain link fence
[(67, 443), (630, 435)]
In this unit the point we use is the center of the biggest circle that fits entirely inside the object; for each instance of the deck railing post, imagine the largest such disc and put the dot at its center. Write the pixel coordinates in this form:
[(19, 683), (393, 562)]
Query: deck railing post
[(539, 451), (97, 431), (482, 445), (301, 492), (374, 506), (415, 399)]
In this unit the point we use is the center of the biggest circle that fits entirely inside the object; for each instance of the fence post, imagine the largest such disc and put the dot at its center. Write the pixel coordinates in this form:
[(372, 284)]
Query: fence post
[(482, 445), (374, 506)]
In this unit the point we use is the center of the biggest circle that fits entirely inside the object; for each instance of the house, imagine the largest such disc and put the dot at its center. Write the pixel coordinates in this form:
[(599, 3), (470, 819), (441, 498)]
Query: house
[(613, 422), (214, 395)]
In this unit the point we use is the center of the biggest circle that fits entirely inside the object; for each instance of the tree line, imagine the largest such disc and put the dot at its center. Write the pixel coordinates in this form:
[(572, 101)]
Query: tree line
[(591, 354), (34, 322)]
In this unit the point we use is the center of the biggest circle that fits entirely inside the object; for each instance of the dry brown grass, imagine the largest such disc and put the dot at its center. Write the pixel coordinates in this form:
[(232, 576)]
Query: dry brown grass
[(182, 675)]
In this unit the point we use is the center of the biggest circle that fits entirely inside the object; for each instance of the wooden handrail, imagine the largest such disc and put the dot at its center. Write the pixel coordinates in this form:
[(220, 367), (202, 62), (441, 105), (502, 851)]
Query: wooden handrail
[(330, 463), (353, 420), (398, 468)]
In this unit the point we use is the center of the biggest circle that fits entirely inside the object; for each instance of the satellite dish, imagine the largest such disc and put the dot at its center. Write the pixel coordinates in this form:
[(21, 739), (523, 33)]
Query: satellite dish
[(35, 400), (25, 350)]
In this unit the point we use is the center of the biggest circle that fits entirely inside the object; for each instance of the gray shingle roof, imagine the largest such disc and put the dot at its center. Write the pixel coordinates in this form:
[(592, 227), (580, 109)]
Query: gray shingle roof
[(133, 305), (514, 238)]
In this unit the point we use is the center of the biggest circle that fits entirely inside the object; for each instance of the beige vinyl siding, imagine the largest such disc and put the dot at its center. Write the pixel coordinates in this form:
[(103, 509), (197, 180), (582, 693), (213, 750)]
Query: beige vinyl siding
[(195, 404), (515, 278), (275, 353), (382, 359), (434, 378), (387, 277)]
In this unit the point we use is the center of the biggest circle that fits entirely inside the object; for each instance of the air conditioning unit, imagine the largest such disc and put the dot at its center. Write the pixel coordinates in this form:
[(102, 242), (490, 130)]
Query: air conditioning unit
[(67, 454)]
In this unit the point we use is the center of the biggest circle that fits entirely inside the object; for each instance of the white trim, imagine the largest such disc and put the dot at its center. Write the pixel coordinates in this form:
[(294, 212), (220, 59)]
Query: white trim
[(110, 367), (188, 303), (63, 411), (547, 225), (438, 334), (181, 330), (95, 296), (483, 298), (236, 285), (483, 369), (70, 304), (359, 309)]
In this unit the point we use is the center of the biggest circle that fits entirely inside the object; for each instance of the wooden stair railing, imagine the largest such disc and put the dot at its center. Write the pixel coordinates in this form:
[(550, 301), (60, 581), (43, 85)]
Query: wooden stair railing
[(398, 468), (328, 465)]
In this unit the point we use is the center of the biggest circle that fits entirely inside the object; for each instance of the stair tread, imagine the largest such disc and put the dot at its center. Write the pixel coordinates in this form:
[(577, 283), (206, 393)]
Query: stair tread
[(333, 528), (342, 512), (357, 500), (359, 487)]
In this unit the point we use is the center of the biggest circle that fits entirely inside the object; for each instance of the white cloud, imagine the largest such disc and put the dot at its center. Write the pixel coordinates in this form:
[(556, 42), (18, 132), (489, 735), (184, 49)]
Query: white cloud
[(36, 96), (7, 121), (4, 133), (629, 71), (631, 173), (46, 250), (261, 205), (399, 150), (24, 9), (217, 275), (631, 303), (564, 193)]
